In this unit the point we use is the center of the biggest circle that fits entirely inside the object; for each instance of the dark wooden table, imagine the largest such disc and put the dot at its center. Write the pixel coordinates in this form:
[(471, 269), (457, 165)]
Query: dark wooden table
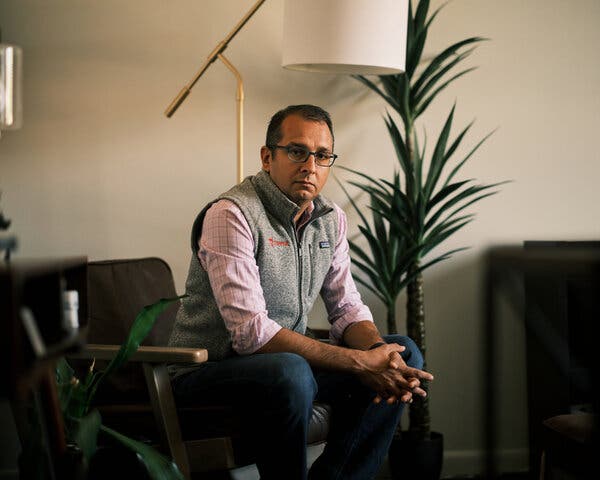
[(555, 287), (34, 335)]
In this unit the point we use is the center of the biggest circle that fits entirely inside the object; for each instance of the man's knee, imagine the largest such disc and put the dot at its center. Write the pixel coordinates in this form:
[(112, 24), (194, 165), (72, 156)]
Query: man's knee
[(292, 379), (411, 355)]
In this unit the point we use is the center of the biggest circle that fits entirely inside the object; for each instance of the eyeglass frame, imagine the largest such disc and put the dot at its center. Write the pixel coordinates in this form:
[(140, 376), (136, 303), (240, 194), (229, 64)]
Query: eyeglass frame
[(332, 157)]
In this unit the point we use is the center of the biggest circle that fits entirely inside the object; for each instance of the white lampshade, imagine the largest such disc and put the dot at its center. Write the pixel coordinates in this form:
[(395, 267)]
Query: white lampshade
[(365, 37)]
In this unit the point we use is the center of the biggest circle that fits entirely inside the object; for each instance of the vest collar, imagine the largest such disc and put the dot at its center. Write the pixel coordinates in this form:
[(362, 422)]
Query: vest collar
[(281, 206)]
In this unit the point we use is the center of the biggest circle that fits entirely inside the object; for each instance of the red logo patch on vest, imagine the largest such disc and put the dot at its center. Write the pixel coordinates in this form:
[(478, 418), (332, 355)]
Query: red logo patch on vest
[(279, 243)]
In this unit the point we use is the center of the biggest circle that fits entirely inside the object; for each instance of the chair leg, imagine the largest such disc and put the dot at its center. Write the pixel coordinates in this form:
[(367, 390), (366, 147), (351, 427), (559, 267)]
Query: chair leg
[(165, 414), (543, 466)]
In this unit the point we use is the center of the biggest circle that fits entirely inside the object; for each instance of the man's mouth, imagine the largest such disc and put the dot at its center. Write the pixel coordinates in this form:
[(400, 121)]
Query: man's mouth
[(305, 183)]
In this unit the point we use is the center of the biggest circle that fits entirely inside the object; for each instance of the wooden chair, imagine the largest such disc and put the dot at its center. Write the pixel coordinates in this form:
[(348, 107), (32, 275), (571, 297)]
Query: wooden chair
[(139, 401)]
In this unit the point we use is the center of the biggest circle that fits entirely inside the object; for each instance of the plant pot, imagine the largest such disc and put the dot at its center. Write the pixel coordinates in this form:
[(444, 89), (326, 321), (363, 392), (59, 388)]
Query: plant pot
[(410, 456), (116, 461)]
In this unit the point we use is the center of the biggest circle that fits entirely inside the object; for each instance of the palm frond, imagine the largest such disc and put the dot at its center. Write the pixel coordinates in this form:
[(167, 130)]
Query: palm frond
[(445, 192), (360, 253), (434, 241), (469, 155), (377, 292), (438, 61), (416, 36), (400, 147), (351, 200), (438, 158), (430, 77), (377, 250), (425, 103), (373, 86), (469, 192)]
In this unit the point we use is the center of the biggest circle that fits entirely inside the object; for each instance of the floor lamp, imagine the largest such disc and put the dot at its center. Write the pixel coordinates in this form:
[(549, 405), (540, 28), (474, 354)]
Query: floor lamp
[(354, 37)]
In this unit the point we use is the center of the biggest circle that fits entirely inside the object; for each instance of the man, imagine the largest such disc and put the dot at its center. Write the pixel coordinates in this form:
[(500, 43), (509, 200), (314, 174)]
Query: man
[(261, 254)]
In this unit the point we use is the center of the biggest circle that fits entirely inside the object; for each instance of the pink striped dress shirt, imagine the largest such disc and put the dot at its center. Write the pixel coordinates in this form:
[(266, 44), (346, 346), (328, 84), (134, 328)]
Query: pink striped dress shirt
[(227, 254)]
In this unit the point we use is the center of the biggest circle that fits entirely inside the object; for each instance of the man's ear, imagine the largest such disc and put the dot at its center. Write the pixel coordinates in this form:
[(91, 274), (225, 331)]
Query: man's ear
[(266, 157)]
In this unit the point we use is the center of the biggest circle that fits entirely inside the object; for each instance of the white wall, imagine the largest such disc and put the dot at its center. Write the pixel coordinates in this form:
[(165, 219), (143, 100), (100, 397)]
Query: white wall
[(98, 170)]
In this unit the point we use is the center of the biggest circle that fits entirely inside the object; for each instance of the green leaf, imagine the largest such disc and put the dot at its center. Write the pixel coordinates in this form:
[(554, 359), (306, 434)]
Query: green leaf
[(459, 166), (425, 103), (360, 253), (464, 195), (378, 293), (376, 282), (457, 141), (400, 147), (138, 332), (438, 157), (374, 181), (393, 85), (381, 196), (390, 100), (438, 61), (427, 81), (158, 466), (377, 250), (417, 35), (441, 258), (64, 374), (351, 200), (419, 160), (448, 223), (444, 193), (379, 225), (85, 432), (433, 242)]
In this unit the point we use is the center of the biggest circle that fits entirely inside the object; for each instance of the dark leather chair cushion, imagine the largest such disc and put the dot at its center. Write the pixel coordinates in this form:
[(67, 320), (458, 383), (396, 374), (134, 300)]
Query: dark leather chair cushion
[(117, 291), (571, 442)]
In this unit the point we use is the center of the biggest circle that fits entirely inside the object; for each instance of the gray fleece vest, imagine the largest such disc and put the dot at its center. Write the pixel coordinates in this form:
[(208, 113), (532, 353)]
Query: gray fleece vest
[(292, 266)]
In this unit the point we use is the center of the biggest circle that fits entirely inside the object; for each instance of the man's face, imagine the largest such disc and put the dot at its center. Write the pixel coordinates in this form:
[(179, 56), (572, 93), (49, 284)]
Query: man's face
[(300, 182)]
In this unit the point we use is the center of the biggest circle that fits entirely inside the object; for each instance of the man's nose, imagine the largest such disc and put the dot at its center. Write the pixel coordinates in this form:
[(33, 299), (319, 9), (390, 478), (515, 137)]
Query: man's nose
[(310, 165)]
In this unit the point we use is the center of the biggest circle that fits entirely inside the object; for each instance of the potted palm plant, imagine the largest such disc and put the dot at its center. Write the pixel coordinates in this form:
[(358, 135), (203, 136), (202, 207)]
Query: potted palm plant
[(419, 208)]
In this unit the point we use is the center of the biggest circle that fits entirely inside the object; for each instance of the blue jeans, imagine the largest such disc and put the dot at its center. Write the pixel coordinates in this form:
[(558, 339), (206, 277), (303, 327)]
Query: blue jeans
[(275, 392)]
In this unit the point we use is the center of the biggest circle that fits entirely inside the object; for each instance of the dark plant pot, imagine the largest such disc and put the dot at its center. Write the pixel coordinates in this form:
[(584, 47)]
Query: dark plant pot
[(116, 462), (413, 457)]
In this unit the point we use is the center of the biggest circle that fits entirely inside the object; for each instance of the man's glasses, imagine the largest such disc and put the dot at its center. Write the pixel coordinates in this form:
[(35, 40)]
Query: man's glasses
[(298, 154)]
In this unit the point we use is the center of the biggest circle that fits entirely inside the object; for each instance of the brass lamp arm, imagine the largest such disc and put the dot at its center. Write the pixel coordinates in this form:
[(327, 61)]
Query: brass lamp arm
[(240, 116), (220, 48)]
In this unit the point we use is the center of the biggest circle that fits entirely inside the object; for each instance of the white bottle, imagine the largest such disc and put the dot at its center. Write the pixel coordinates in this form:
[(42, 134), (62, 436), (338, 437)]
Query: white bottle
[(70, 309)]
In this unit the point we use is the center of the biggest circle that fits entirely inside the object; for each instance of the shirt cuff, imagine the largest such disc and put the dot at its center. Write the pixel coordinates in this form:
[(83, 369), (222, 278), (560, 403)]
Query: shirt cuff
[(360, 313), (252, 335)]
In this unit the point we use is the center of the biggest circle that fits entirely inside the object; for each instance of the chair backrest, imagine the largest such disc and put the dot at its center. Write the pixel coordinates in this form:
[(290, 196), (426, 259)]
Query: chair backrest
[(117, 291)]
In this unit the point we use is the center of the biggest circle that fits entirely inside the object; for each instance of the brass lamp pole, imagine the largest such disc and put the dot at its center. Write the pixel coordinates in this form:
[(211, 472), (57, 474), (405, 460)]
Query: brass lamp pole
[(218, 53)]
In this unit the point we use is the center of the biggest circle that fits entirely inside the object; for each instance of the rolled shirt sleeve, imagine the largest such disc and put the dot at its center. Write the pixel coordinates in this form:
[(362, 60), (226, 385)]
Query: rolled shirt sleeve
[(340, 295), (227, 254)]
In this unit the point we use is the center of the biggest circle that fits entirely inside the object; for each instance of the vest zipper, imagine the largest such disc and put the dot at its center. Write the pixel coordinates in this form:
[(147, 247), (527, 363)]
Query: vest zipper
[(300, 264)]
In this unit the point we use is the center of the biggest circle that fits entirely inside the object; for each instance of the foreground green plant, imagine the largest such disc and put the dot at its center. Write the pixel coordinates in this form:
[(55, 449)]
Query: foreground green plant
[(83, 424), (424, 203)]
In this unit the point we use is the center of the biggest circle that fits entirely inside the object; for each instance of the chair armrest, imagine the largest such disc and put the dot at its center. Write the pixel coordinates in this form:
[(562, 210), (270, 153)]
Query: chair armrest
[(146, 354), (154, 360)]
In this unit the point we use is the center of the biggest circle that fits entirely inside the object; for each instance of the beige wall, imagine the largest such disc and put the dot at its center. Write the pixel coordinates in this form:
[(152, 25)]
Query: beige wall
[(98, 170)]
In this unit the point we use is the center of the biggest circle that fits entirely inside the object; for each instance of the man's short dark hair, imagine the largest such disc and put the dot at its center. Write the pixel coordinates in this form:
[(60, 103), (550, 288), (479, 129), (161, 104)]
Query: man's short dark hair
[(307, 112)]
